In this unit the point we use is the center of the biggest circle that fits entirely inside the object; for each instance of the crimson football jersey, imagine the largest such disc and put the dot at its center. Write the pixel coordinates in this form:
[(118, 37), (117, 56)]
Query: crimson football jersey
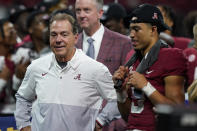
[(171, 61), (191, 55)]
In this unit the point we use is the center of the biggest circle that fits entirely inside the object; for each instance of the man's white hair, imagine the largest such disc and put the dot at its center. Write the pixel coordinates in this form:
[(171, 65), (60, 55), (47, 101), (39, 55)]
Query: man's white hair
[(99, 4)]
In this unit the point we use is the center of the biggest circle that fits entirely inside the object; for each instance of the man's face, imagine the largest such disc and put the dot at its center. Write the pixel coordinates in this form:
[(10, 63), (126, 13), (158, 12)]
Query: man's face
[(62, 39), (10, 33), (20, 24), (140, 34), (38, 26), (88, 15), (114, 25)]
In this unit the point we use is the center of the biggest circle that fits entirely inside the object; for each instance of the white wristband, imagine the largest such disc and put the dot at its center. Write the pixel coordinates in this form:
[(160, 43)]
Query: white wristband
[(148, 89), (121, 96)]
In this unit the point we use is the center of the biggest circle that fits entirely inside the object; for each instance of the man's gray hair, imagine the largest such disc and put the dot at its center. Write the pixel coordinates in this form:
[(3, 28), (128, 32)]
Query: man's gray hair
[(99, 4), (65, 16)]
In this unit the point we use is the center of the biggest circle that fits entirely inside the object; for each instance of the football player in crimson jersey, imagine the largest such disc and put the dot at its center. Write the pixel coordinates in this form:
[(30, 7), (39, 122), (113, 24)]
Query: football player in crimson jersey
[(156, 76), (191, 55)]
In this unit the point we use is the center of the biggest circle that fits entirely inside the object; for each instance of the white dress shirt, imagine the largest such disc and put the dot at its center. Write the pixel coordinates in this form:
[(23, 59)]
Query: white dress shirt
[(97, 37)]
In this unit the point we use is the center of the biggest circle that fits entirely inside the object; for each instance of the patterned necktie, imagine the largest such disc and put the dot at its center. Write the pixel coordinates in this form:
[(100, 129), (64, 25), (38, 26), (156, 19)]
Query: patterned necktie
[(90, 51)]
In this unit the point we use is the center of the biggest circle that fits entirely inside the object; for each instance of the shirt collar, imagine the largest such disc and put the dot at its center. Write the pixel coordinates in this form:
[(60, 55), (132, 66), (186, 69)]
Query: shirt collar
[(74, 62)]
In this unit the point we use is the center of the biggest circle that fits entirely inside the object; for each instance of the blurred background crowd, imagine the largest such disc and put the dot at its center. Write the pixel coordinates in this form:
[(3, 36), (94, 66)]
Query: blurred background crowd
[(182, 8), (24, 34)]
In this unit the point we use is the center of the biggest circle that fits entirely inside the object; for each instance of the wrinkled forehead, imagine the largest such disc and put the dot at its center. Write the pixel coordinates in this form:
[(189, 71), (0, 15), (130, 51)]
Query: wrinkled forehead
[(87, 3), (60, 25)]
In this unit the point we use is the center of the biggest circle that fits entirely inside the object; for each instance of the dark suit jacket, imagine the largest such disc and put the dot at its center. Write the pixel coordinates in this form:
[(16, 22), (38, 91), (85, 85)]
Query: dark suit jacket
[(113, 50)]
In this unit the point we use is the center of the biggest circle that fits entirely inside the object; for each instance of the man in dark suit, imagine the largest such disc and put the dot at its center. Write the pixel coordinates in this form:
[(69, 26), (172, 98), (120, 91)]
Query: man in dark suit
[(109, 48), (113, 46), (113, 49)]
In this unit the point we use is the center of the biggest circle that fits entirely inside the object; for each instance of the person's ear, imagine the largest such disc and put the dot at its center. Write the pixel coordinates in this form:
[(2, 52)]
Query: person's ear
[(154, 28), (76, 37), (100, 13)]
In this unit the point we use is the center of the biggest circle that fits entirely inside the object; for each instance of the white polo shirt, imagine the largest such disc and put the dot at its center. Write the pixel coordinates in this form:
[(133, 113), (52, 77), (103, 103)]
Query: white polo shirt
[(67, 99)]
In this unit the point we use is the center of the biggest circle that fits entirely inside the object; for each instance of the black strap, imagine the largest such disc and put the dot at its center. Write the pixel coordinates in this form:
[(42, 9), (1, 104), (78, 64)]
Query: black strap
[(149, 60), (146, 62)]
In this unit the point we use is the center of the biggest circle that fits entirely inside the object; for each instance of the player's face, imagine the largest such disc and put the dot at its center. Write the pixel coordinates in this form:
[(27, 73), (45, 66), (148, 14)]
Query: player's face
[(140, 34), (87, 13), (10, 33), (38, 26), (62, 39), (114, 25)]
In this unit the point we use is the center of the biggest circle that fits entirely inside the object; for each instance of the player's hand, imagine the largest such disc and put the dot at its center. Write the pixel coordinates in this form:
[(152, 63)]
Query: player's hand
[(5, 73), (97, 127), (120, 73), (136, 80), (21, 69)]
